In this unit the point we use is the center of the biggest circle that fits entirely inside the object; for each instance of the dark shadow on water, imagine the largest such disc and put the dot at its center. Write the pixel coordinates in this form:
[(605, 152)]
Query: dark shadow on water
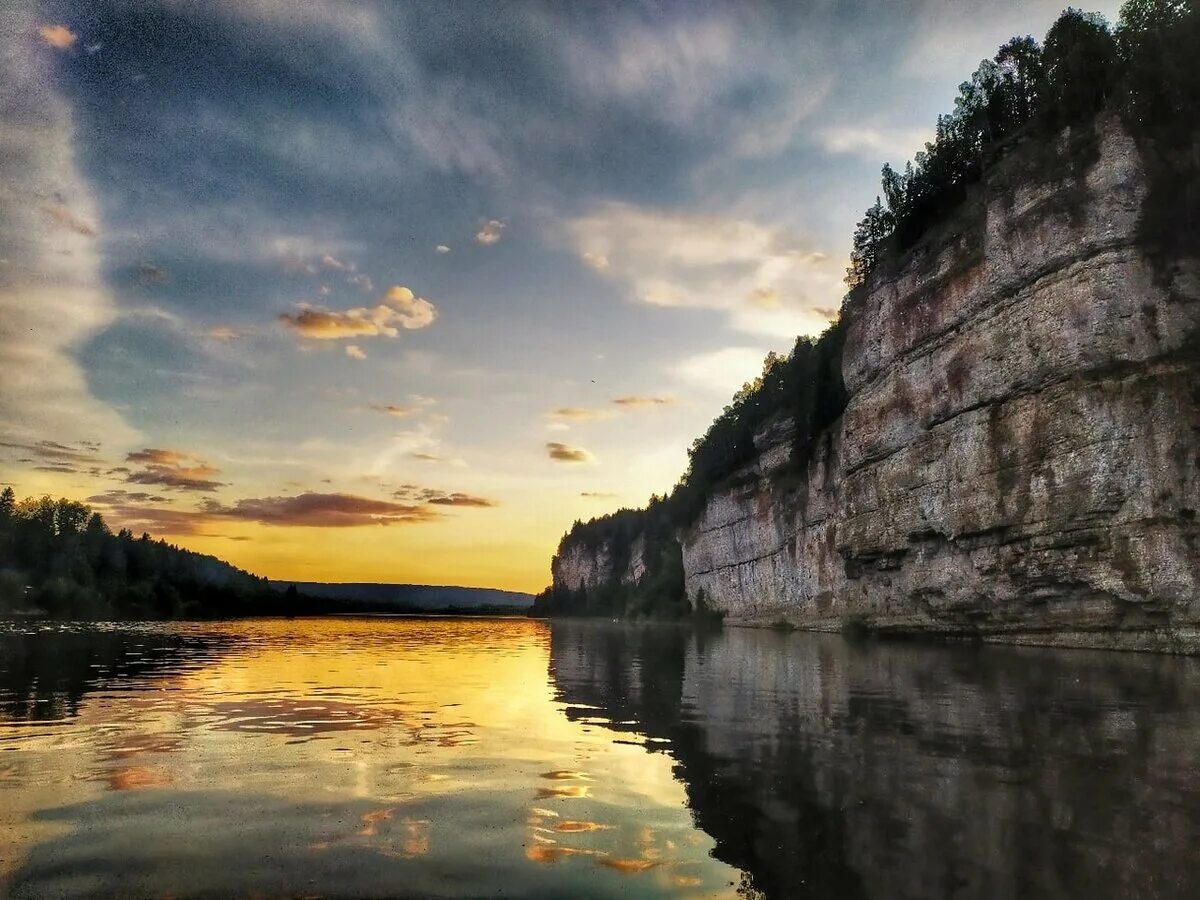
[(823, 768), (47, 670)]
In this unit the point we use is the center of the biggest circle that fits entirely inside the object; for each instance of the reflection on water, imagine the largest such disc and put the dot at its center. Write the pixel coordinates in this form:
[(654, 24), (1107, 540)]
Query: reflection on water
[(828, 769), (386, 757), (365, 757)]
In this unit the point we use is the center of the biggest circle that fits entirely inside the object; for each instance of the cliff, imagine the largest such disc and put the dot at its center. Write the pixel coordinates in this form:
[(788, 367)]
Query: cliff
[(1018, 455)]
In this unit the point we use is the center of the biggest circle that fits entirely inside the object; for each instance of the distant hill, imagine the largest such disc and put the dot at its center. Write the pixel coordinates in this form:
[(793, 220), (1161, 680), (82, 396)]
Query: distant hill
[(407, 597)]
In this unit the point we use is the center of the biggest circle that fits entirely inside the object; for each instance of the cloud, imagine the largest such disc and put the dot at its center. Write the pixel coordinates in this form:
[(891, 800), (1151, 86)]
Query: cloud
[(416, 494), (53, 298), (423, 456), (765, 279), (80, 451), (597, 261), (355, 352), (117, 496), (641, 402), (874, 144), (172, 469), (442, 248), (597, 495), (578, 414), (60, 37), (565, 453), (722, 371), (490, 233), (398, 308), (64, 218), (222, 333), (399, 410), (318, 510)]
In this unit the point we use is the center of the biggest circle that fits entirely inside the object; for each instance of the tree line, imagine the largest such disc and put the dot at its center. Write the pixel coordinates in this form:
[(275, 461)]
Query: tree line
[(60, 558), (1144, 69)]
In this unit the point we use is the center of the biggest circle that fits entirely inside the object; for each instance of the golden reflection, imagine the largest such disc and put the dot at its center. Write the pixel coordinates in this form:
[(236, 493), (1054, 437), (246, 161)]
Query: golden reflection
[(362, 732), (628, 866), (565, 775), (370, 821), (136, 778), (570, 826), (566, 791)]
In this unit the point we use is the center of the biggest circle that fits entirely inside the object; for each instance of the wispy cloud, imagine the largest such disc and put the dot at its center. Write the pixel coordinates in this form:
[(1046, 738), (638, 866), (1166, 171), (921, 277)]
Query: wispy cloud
[(355, 352), (568, 454), (643, 402), (416, 494), (172, 469), (64, 218), (79, 452), (577, 414), (874, 143), (767, 280), (319, 510)]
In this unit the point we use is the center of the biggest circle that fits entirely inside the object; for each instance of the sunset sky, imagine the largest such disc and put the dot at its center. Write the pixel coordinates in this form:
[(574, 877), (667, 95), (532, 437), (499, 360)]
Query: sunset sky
[(397, 291)]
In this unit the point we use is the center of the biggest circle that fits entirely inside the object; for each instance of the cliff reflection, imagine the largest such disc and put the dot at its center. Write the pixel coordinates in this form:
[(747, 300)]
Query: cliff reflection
[(823, 768)]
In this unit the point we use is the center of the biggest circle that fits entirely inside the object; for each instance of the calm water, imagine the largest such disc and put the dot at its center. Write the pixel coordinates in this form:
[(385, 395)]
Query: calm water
[(430, 757)]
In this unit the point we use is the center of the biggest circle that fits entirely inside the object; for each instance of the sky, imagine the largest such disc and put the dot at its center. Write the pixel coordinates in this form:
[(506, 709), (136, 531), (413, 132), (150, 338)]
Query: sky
[(398, 291)]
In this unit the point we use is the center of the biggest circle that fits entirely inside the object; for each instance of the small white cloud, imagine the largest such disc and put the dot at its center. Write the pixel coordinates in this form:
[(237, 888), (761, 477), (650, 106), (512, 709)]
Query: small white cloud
[(442, 248), (597, 261), (355, 352), (490, 233)]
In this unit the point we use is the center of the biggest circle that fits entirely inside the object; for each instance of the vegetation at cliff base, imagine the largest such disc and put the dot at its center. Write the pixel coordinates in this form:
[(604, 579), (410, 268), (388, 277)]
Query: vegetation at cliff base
[(1143, 69), (60, 558)]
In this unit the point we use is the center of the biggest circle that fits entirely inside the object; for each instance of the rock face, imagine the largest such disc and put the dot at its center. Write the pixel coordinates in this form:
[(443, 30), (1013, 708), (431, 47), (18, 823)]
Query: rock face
[(582, 566), (1020, 455)]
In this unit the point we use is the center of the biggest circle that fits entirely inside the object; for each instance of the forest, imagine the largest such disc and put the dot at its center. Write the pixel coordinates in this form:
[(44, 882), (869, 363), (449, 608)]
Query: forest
[(59, 558), (1143, 69)]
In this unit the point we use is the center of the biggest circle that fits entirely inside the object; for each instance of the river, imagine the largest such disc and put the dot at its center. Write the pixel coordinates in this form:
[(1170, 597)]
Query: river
[(512, 757)]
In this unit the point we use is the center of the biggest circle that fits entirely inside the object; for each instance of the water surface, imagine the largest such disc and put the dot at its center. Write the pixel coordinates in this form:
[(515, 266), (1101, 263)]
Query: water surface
[(467, 757)]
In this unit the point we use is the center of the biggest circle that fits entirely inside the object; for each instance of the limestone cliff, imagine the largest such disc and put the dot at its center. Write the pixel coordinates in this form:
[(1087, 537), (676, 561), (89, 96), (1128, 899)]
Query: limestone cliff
[(1019, 456)]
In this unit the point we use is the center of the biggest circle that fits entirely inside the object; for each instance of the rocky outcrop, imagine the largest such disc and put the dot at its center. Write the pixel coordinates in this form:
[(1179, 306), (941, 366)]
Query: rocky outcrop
[(1020, 454), (584, 566)]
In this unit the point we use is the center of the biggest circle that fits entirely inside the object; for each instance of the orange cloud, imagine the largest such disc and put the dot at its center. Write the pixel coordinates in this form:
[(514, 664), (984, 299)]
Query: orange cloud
[(398, 308), (60, 37), (321, 510), (416, 494), (578, 414), (635, 402), (172, 469), (565, 453)]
